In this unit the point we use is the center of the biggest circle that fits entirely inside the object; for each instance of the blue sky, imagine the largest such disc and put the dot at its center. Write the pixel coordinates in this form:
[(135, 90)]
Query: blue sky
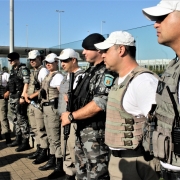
[(79, 19)]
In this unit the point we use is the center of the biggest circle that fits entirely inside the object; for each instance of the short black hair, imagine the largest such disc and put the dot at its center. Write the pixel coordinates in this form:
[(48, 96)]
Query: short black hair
[(13, 56)]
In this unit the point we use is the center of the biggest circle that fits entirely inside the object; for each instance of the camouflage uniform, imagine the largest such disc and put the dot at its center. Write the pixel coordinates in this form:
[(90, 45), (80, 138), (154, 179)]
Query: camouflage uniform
[(91, 154), (18, 77), (3, 105)]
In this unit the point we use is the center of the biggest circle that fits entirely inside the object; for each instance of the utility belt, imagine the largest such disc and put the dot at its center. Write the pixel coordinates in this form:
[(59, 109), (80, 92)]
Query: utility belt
[(52, 102), (139, 151)]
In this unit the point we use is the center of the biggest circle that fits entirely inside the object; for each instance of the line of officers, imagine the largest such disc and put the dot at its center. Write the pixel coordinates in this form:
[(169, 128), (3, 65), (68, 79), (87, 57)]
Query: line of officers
[(117, 132)]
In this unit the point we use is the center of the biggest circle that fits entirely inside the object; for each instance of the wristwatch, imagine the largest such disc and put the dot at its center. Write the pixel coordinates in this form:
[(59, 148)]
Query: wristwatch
[(70, 117)]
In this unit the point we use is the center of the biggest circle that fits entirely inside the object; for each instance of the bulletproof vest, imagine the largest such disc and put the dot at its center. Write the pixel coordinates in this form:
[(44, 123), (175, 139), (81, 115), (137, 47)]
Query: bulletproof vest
[(123, 130), (16, 82), (51, 92), (96, 81), (64, 90), (163, 144), (2, 88), (34, 84)]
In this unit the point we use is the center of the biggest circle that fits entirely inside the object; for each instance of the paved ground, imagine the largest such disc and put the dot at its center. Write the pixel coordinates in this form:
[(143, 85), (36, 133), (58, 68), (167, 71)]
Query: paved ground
[(15, 166)]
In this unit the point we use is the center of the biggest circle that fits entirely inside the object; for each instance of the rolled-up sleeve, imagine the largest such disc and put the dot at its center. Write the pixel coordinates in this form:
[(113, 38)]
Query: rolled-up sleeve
[(101, 101)]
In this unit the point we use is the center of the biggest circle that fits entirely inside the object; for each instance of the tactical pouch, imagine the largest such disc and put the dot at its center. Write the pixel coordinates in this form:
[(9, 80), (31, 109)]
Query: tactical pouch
[(161, 146), (55, 103), (43, 94)]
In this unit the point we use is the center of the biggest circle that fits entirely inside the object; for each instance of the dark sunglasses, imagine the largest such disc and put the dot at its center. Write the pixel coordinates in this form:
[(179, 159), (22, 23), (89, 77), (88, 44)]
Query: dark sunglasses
[(32, 59), (46, 62), (161, 18), (104, 51), (67, 60), (10, 60)]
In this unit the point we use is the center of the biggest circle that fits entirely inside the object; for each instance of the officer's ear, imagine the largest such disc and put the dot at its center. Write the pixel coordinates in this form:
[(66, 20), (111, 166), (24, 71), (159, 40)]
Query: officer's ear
[(121, 50)]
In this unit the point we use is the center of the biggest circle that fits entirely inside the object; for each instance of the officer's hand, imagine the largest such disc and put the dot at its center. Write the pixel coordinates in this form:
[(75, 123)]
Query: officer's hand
[(6, 95), (26, 98), (64, 118), (66, 97), (21, 101)]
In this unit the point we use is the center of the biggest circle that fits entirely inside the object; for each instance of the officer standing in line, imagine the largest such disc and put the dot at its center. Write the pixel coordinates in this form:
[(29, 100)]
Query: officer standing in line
[(69, 63), (49, 93), (17, 86), (4, 123), (129, 102), (35, 114), (167, 21), (91, 154)]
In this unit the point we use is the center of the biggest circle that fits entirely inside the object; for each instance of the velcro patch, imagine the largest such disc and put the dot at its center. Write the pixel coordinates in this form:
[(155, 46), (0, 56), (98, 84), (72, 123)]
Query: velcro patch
[(108, 80), (24, 72)]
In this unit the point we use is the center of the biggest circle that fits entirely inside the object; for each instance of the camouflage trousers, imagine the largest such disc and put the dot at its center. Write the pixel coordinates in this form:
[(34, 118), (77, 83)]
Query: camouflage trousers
[(4, 123), (19, 117), (91, 155)]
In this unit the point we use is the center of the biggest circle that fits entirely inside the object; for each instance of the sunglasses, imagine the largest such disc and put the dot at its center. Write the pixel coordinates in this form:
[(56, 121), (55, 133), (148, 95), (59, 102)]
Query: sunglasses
[(32, 59), (104, 51), (10, 60), (46, 62), (67, 60)]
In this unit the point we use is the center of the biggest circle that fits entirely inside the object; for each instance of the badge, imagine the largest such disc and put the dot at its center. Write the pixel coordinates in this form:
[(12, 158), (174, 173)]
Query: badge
[(24, 72), (108, 80), (160, 87)]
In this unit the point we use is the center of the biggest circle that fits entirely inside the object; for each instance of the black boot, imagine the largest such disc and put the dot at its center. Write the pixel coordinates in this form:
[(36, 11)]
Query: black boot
[(42, 157), (58, 171), (8, 138), (24, 146), (36, 153), (16, 142), (50, 164)]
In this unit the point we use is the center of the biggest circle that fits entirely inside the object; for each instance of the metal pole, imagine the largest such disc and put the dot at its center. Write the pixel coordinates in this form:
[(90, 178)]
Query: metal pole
[(102, 26), (11, 47), (59, 27), (27, 34)]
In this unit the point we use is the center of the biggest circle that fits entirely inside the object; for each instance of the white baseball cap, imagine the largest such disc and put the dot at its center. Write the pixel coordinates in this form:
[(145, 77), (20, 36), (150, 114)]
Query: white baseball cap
[(117, 37), (67, 53), (33, 54), (163, 8), (50, 58)]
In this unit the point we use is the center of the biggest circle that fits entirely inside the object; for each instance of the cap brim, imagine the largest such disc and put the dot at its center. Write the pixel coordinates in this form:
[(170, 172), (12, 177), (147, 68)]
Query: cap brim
[(153, 13), (103, 45)]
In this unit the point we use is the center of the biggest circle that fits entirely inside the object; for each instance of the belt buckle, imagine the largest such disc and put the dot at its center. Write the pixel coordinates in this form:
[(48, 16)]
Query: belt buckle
[(128, 135), (129, 128), (46, 104), (128, 143), (129, 121)]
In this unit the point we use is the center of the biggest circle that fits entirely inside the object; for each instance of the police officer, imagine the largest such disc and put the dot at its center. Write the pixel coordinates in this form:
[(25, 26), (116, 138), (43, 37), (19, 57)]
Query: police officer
[(35, 114), (17, 86), (5, 129), (166, 137), (91, 154), (129, 102), (49, 94), (69, 63)]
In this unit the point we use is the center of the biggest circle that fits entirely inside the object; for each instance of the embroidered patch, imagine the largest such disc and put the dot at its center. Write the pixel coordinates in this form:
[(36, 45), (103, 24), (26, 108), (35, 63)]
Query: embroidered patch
[(108, 80), (160, 87), (24, 72)]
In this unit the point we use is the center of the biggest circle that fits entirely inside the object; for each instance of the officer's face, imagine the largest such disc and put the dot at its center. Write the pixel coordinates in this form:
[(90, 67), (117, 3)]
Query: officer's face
[(67, 64), (90, 55), (168, 31), (51, 66), (13, 62), (35, 63), (111, 57)]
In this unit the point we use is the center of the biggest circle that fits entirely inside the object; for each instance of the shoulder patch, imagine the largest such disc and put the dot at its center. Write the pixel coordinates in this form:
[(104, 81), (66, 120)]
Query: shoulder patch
[(24, 72), (108, 80)]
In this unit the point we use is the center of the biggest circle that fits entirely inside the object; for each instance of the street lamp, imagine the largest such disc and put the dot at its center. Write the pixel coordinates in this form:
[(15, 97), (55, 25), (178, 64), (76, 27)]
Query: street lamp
[(102, 26), (27, 35), (59, 11)]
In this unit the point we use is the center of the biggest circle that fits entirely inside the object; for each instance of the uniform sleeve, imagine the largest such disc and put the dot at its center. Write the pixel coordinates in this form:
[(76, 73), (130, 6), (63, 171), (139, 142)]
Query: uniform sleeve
[(56, 81), (102, 90), (42, 74), (25, 72)]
